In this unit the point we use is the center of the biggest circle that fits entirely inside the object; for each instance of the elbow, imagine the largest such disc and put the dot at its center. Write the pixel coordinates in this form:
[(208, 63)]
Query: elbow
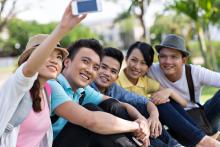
[(28, 72)]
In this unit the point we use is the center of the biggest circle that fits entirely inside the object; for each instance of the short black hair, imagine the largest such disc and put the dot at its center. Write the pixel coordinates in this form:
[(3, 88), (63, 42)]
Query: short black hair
[(146, 50), (114, 53), (92, 44)]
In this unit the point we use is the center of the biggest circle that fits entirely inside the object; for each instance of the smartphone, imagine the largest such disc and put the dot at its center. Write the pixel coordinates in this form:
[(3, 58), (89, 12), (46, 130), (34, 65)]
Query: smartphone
[(138, 142), (86, 6)]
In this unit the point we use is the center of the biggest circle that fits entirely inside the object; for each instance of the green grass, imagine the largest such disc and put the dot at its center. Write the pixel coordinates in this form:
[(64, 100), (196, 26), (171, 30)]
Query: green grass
[(207, 93)]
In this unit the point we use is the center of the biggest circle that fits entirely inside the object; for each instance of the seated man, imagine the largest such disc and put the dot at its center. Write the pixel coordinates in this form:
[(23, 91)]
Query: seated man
[(170, 73), (73, 124), (105, 83)]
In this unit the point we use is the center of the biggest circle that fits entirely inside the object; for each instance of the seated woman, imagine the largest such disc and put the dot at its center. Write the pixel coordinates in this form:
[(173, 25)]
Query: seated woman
[(133, 78), (41, 60)]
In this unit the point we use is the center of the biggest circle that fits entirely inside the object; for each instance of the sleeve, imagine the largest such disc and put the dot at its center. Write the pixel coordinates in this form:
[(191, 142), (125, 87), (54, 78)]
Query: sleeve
[(152, 85), (130, 97), (58, 95), (11, 93), (139, 102), (92, 96), (205, 76)]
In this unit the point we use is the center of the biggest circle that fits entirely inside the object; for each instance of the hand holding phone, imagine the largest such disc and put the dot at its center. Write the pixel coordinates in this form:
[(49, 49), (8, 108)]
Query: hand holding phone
[(86, 6)]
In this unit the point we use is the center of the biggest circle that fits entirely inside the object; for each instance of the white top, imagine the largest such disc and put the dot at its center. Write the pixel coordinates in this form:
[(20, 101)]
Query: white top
[(11, 93), (200, 75)]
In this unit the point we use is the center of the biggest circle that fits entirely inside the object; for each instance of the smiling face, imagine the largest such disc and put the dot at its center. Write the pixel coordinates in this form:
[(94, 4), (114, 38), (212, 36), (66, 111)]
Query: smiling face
[(171, 62), (108, 73), (82, 69), (52, 66), (136, 66)]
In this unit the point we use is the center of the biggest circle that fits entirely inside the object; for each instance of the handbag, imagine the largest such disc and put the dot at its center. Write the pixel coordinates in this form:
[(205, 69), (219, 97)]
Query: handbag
[(197, 114)]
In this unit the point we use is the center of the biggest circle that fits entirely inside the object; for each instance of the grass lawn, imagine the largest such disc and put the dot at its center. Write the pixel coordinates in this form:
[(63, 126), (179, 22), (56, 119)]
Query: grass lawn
[(207, 93)]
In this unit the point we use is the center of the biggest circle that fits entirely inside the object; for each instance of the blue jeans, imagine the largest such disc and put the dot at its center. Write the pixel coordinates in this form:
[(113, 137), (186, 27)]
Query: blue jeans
[(114, 107), (212, 111), (176, 119)]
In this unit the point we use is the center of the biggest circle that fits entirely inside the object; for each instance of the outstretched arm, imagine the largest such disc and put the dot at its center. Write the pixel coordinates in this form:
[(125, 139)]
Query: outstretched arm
[(95, 120), (40, 54)]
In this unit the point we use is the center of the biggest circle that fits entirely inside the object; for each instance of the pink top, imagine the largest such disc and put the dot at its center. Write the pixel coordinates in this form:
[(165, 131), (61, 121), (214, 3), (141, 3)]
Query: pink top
[(34, 127)]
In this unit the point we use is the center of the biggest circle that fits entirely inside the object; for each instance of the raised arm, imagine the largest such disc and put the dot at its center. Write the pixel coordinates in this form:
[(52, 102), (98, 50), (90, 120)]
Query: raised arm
[(41, 53)]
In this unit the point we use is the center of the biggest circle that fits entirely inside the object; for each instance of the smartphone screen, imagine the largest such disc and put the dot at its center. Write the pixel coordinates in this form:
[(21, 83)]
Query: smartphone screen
[(87, 6)]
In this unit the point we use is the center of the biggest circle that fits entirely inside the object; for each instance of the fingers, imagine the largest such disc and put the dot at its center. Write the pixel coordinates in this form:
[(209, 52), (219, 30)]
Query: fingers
[(155, 127)]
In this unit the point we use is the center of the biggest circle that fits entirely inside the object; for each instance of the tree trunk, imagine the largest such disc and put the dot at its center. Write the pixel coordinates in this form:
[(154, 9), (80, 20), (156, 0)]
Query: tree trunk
[(212, 53), (202, 45), (146, 32)]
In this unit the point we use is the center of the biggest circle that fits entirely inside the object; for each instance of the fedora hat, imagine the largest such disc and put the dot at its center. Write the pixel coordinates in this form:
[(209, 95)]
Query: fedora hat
[(36, 40), (174, 42)]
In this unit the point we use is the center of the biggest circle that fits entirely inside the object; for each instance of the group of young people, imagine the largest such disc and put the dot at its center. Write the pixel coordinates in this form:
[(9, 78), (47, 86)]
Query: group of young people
[(79, 97)]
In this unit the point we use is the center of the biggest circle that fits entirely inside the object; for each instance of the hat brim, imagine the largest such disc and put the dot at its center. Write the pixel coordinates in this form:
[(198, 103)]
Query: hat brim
[(159, 47), (64, 51)]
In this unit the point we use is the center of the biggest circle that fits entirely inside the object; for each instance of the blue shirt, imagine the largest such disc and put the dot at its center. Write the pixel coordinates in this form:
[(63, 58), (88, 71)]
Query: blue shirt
[(62, 92), (119, 93)]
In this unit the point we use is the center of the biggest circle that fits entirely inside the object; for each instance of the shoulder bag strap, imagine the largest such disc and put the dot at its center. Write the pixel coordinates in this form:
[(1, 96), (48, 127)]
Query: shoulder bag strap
[(191, 85)]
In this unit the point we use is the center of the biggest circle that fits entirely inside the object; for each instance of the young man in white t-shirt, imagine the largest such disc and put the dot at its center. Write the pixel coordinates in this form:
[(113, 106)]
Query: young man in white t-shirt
[(170, 72)]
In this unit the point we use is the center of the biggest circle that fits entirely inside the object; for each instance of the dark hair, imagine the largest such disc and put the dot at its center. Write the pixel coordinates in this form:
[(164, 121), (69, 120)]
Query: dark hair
[(114, 53), (35, 89), (92, 44), (146, 50)]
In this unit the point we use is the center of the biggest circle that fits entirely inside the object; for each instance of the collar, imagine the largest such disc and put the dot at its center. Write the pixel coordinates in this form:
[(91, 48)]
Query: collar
[(107, 92), (63, 82), (125, 83)]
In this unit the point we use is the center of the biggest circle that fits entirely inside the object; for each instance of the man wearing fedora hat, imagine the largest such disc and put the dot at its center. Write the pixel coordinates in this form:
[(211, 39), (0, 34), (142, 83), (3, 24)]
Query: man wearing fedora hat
[(170, 72)]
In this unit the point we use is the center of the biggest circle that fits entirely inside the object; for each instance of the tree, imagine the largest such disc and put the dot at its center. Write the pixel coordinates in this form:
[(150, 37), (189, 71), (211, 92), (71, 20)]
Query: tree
[(19, 32), (9, 14), (202, 13), (138, 8)]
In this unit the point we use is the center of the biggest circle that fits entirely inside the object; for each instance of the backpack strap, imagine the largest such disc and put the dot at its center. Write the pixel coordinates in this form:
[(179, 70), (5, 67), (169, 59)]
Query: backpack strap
[(23, 109)]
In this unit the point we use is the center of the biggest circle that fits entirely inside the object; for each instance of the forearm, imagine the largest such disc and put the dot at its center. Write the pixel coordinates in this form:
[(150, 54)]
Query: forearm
[(133, 113), (40, 54), (105, 123), (152, 110), (176, 97), (96, 121)]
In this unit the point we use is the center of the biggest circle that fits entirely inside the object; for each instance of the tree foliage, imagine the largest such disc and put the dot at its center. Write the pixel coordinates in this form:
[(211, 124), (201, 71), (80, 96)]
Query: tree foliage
[(202, 13), (5, 17), (19, 32)]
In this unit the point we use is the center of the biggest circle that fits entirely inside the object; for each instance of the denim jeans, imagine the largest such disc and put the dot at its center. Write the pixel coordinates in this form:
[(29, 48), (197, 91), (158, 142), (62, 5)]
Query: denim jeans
[(114, 107), (177, 120), (212, 111)]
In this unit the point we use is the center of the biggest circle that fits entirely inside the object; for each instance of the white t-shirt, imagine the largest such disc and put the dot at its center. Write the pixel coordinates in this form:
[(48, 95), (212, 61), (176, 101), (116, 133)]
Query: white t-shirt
[(200, 75)]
